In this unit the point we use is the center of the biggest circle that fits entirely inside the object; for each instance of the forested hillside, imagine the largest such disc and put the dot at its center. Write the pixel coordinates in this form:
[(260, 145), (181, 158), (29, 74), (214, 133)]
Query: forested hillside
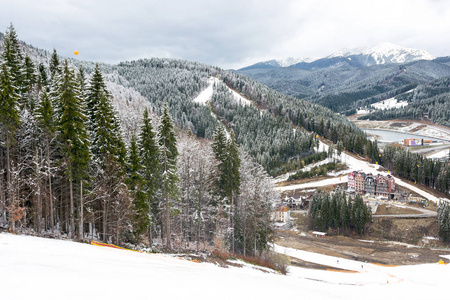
[(118, 152), (67, 169), (265, 129), (344, 87), (432, 98)]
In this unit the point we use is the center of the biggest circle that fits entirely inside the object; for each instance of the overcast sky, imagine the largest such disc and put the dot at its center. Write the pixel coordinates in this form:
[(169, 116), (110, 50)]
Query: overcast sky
[(226, 33)]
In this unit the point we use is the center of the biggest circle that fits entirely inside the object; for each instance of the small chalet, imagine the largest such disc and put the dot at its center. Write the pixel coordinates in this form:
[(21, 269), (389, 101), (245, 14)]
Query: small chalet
[(319, 234)]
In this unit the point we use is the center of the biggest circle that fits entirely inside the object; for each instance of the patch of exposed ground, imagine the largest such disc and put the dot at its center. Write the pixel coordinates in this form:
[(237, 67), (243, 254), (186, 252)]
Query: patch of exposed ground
[(388, 209), (360, 250)]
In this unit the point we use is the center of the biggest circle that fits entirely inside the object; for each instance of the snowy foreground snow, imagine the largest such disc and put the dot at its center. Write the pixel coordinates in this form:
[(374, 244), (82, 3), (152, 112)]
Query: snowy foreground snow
[(37, 268)]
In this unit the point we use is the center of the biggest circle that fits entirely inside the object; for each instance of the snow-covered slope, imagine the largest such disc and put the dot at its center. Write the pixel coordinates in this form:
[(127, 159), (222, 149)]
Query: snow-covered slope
[(37, 268), (286, 62), (205, 96)]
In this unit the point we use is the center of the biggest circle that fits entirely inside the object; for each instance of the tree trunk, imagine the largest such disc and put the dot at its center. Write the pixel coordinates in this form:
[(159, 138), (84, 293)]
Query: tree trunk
[(232, 221), (188, 198), (105, 212), (50, 194), (8, 183), (81, 229), (38, 192), (167, 201), (72, 219)]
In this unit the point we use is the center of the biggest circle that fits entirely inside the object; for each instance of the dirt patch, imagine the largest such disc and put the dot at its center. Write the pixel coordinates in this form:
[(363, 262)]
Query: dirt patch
[(410, 231), (387, 209), (417, 128), (373, 251), (400, 124), (300, 181)]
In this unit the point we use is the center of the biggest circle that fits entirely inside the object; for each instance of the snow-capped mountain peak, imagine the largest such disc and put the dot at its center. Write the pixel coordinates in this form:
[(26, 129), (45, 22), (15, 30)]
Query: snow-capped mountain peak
[(293, 61), (386, 53)]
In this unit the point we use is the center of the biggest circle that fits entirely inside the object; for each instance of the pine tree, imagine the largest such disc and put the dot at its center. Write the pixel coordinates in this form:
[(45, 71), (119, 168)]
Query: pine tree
[(233, 164), (141, 205), (167, 142), (12, 56), (108, 150), (220, 152), (149, 155), (29, 81), (9, 104), (54, 65), (45, 115), (42, 78), (73, 135)]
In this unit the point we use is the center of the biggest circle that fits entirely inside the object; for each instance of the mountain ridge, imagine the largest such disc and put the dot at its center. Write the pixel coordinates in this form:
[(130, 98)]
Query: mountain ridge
[(384, 53)]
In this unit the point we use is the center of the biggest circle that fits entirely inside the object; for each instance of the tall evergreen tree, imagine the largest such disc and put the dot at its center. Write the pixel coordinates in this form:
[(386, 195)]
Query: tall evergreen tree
[(9, 122), (29, 97), (141, 206), (219, 147), (149, 155), (169, 179), (11, 74), (54, 65), (233, 179), (45, 115), (73, 135), (12, 56), (108, 148)]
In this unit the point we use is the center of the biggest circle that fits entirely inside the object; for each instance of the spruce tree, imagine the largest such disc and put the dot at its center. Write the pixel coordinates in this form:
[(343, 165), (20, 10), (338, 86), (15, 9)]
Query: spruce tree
[(233, 164), (219, 147), (73, 135), (11, 84), (141, 206), (149, 155), (9, 122), (12, 56), (169, 178), (108, 150), (42, 78), (29, 81), (54, 65), (45, 115)]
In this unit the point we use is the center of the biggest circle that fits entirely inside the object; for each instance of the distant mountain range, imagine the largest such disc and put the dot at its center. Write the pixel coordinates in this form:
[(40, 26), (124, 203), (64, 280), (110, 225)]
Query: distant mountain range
[(385, 53), (347, 79)]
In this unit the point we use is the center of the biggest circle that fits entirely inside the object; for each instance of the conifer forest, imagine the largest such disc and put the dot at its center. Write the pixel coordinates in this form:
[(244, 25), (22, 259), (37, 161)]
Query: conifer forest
[(121, 153)]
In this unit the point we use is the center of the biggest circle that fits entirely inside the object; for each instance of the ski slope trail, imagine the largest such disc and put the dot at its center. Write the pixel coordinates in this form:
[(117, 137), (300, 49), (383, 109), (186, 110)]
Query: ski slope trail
[(38, 268)]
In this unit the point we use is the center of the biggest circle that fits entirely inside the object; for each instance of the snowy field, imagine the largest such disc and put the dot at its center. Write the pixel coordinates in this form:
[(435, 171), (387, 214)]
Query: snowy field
[(37, 268), (389, 103)]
